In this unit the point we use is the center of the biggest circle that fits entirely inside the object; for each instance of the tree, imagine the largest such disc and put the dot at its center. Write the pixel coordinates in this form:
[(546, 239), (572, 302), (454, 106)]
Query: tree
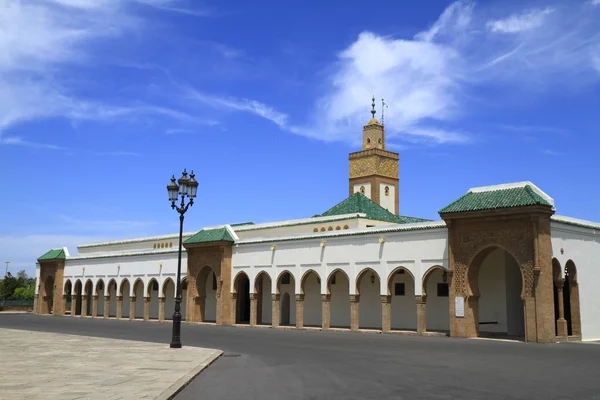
[(9, 284)]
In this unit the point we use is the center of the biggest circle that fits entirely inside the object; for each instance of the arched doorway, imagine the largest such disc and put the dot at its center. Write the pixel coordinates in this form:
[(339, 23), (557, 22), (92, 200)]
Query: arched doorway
[(338, 288), (368, 287), (206, 287), (169, 295), (571, 300), (262, 288), (78, 297), (89, 301), (68, 294), (310, 287), (436, 291), (125, 293), (153, 297), (401, 288), (496, 282), (286, 287), (112, 298), (48, 296), (138, 300), (241, 287), (100, 296)]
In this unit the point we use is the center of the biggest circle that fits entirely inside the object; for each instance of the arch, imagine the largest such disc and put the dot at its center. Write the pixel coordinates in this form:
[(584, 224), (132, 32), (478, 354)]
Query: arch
[(48, 295), (262, 287), (152, 286), (166, 282), (401, 288), (137, 309), (205, 304), (282, 275), (287, 291), (338, 290), (111, 293), (241, 287), (310, 289), (67, 288), (571, 300), (497, 293), (99, 293), (78, 290), (436, 293), (124, 283), (369, 306), (99, 287), (168, 292), (88, 292), (153, 293), (428, 274), (68, 296), (136, 284), (393, 274), (557, 272)]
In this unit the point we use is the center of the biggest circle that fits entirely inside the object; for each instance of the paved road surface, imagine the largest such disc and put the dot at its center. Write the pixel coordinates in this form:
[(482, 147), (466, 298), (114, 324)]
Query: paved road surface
[(287, 364)]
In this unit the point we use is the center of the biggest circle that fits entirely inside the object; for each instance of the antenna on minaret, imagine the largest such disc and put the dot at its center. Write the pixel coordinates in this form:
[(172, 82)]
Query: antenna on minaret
[(383, 107)]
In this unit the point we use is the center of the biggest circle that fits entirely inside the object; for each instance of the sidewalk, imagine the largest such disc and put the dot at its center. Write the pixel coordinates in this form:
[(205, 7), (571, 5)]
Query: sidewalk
[(40, 365)]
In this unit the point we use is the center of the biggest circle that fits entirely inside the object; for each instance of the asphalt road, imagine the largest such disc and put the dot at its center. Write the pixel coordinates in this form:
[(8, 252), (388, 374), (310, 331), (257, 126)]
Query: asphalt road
[(287, 364)]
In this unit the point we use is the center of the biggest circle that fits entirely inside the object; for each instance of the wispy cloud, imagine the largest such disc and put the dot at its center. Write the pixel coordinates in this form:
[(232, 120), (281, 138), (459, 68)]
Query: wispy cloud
[(173, 6), (533, 129), (520, 22), (551, 152), (17, 141)]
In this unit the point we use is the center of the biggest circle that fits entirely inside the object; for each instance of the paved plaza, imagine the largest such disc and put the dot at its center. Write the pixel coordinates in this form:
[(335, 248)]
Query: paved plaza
[(41, 365), (267, 364)]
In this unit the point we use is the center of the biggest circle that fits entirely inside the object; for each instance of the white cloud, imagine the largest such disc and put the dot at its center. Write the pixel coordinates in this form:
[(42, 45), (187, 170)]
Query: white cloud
[(595, 2), (17, 141), (520, 22)]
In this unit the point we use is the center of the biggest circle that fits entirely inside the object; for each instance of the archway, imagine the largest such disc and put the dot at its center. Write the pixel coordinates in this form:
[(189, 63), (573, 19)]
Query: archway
[(89, 301), (560, 325), (78, 297), (125, 293), (286, 287), (262, 288), (436, 291), (169, 295), (310, 287), (496, 281), (241, 287), (401, 289), (112, 298), (338, 287), (138, 300), (68, 293), (368, 287), (153, 294), (48, 296), (100, 296), (206, 287), (571, 300)]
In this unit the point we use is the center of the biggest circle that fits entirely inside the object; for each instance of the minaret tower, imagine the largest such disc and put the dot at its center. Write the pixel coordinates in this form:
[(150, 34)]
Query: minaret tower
[(374, 170)]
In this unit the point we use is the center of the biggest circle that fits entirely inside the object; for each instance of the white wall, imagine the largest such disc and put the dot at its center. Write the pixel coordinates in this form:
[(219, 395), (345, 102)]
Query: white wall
[(249, 231), (369, 309), (339, 306), (388, 202), (582, 246), (312, 301), (367, 189), (437, 311), (404, 308)]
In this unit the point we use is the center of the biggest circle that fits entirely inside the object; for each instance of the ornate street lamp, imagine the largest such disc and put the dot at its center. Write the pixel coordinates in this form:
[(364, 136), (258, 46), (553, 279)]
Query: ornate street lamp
[(186, 187)]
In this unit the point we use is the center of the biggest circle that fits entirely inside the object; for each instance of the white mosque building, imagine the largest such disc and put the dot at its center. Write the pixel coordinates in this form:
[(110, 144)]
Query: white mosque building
[(498, 262)]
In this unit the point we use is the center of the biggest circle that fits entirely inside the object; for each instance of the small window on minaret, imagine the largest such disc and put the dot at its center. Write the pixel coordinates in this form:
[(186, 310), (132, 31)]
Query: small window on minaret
[(368, 142), (387, 190), (362, 190)]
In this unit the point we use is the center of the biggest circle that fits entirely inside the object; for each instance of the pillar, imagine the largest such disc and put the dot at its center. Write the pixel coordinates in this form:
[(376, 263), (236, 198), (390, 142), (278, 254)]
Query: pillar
[(561, 323), (233, 309), (253, 309), (73, 305), (325, 311), (421, 314), (354, 315), (95, 305), (132, 307), (199, 308), (119, 307), (161, 308), (299, 311), (84, 302), (386, 313), (146, 308), (275, 310), (106, 306)]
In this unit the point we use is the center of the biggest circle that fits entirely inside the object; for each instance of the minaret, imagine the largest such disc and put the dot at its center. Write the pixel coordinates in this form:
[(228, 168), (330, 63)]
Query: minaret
[(374, 170)]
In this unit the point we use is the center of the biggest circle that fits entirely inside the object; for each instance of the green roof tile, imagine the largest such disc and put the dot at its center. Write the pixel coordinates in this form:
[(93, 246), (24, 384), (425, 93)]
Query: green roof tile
[(54, 254), (211, 235), (493, 199), (359, 203)]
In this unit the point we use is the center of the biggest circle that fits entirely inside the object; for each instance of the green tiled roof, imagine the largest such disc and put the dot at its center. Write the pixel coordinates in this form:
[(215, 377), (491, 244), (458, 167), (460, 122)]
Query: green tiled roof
[(210, 235), (359, 203), (493, 199), (54, 254)]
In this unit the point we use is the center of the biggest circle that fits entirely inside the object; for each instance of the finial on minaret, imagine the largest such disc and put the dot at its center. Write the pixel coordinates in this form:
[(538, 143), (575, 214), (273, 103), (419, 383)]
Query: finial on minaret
[(373, 105)]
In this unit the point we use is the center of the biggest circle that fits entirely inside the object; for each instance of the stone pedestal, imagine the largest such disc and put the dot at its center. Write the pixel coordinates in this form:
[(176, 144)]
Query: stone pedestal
[(299, 311), (132, 307), (354, 311), (95, 305), (325, 311), (386, 314), (107, 307), (253, 309), (275, 317), (421, 314), (73, 305), (146, 308), (84, 302), (161, 309), (119, 307)]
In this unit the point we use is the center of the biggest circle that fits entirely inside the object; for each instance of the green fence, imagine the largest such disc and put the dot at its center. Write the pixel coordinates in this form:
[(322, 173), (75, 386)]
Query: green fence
[(16, 303)]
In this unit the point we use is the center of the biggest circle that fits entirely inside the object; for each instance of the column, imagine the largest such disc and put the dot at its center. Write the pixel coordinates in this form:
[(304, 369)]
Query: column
[(233, 302), (161, 308), (132, 307), (325, 311), (561, 323), (146, 308), (253, 309), (200, 309), (84, 302), (106, 306), (119, 307), (354, 311), (95, 305), (299, 311), (275, 310), (73, 305), (421, 314), (386, 313)]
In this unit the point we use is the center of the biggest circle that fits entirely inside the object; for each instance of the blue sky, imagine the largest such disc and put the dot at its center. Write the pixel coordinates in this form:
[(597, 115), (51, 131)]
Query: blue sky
[(101, 101)]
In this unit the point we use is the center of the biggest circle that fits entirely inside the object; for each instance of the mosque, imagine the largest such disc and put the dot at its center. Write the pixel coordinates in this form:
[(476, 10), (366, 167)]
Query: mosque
[(498, 262)]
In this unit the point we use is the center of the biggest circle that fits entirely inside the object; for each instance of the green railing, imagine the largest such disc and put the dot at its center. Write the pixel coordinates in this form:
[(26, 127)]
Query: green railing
[(16, 303)]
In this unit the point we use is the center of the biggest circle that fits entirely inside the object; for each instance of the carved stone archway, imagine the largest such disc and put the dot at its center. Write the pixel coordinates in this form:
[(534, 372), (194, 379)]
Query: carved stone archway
[(50, 298)]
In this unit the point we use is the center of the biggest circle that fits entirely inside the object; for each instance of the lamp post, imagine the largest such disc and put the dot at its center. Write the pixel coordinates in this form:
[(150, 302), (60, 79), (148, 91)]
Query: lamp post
[(185, 187), (6, 272)]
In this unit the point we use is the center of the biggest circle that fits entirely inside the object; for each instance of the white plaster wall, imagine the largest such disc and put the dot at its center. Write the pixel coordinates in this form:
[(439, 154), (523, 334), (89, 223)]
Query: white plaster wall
[(388, 202), (132, 245), (582, 246), (339, 306), (369, 314), (404, 308), (367, 189), (312, 301), (437, 314), (303, 229), (492, 289)]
